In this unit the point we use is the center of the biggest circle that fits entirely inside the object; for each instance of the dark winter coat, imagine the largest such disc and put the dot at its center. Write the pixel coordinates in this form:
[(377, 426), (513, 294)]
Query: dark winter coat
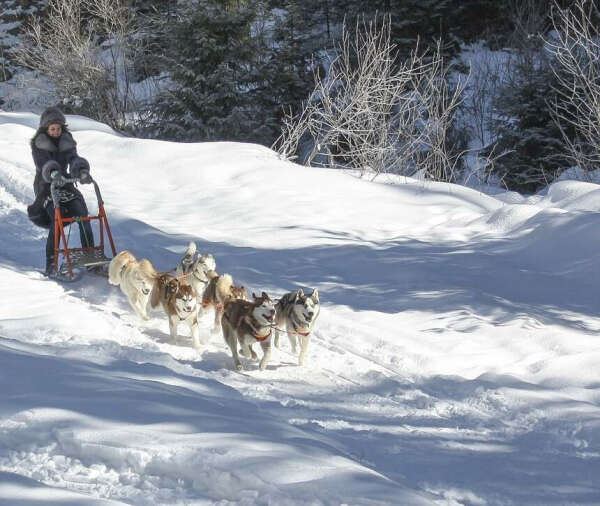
[(44, 150)]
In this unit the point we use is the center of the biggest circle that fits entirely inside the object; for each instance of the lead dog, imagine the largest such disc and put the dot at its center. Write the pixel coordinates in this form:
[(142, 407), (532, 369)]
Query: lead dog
[(247, 322), (298, 312), (196, 268), (219, 291), (179, 301), (135, 278)]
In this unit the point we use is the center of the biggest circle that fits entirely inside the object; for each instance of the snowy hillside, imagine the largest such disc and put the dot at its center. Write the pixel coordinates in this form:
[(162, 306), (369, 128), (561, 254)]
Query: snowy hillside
[(455, 359)]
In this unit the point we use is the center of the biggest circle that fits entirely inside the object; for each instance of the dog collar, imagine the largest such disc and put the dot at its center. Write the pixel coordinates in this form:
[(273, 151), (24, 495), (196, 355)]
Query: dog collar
[(303, 331), (260, 337), (255, 333)]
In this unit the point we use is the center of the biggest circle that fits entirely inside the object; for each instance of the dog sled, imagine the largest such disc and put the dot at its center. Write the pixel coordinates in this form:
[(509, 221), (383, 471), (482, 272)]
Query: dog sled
[(71, 263)]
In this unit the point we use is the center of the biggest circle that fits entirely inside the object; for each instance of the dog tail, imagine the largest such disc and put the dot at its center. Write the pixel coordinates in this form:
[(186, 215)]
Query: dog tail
[(223, 287), (116, 266)]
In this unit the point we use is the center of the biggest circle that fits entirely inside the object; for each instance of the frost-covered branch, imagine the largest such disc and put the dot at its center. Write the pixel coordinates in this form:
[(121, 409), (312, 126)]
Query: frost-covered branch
[(85, 48), (575, 44), (375, 114)]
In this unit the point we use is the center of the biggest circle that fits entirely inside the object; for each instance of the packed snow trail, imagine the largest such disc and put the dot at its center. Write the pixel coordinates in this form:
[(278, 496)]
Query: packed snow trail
[(454, 361)]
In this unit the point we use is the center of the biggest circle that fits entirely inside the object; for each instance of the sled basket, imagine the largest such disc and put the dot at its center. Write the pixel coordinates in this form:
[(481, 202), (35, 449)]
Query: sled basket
[(91, 256)]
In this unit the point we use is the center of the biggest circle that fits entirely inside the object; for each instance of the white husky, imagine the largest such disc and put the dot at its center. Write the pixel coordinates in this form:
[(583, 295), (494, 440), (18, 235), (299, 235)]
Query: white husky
[(136, 278), (298, 312), (197, 267)]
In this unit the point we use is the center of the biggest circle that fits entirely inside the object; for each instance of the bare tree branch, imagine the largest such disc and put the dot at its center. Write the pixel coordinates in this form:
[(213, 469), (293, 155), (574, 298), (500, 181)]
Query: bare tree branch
[(576, 46), (85, 48), (374, 114)]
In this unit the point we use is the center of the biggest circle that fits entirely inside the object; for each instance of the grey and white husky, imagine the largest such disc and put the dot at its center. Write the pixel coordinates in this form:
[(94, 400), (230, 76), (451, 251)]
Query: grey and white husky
[(247, 322), (196, 266), (298, 313)]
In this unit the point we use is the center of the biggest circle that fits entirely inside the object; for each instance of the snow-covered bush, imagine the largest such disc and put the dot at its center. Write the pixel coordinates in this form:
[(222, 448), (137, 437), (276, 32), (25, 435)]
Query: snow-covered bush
[(85, 48), (377, 113)]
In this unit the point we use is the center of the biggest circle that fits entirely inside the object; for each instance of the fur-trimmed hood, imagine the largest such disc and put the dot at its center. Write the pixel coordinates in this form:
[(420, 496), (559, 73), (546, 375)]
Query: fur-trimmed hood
[(43, 141), (52, 116)]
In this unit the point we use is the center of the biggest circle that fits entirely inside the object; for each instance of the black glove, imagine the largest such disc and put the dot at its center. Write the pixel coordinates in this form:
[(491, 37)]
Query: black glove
[(84, 177), (57, 178), (78, 165)]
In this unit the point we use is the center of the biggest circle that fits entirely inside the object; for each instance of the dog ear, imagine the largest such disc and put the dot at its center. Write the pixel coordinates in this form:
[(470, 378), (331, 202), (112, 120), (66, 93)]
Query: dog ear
[(315, 295), (254, 296), (298, 296), (265, 296), (191, 249)]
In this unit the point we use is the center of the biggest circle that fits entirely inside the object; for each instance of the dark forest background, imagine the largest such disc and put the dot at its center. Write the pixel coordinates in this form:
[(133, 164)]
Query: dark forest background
[(230, 70)]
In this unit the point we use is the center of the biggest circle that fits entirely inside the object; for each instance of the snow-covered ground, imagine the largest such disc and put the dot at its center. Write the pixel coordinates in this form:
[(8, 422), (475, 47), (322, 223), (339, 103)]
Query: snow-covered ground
[(455, 360)]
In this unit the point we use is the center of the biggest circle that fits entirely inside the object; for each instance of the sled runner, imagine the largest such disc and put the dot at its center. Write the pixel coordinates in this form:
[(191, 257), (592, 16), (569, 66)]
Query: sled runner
[(76, 260)]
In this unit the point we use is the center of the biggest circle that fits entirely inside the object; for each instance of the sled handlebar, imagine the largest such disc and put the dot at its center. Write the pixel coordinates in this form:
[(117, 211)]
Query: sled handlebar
[(55, 185)]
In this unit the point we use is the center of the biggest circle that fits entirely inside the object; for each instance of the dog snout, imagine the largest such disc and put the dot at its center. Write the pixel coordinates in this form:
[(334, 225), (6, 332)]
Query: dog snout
[(309, 316), (145, 291)]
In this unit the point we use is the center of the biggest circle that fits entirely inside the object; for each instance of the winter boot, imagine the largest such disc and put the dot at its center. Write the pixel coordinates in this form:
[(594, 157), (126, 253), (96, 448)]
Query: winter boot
[(50, 271)]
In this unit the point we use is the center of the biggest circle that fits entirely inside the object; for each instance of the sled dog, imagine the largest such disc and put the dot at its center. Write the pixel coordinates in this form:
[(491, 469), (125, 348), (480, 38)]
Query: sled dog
[(179, 302), (136, 279), (247, 322), (196, 269), (298, 313), (219, 291)]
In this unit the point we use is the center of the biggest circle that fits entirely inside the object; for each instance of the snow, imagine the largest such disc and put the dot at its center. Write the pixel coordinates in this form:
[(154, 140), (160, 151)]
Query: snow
[(455, 360)]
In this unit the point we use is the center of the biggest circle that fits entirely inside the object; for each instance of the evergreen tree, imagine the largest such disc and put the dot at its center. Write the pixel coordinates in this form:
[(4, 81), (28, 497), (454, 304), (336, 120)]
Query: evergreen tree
[(213, 70), (299, 40), (13, 14), (526, 132)]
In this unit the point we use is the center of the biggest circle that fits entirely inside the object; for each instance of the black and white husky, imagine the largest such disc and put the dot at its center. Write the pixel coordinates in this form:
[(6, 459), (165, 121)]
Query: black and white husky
[(298, 313), (197, 266)]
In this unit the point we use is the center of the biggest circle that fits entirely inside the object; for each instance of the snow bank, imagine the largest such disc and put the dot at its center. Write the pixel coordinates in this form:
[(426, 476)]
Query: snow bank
[(454, 361)]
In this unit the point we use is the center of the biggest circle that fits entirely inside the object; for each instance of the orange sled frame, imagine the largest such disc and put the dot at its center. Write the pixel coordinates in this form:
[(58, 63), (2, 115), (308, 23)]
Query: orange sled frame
[(92, 256)]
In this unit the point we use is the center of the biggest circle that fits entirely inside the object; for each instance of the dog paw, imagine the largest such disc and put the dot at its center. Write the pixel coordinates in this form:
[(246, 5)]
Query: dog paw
[(239, 367), (262, 366)]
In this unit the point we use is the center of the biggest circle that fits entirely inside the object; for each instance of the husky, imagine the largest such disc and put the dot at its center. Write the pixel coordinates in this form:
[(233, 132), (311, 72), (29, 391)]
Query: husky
[(298, 312), (247, 322), (136, 278), (195, 268), (179, 301), (219, 291)]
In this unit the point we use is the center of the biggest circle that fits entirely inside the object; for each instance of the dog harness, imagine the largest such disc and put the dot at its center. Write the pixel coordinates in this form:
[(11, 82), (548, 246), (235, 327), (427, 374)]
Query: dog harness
[(203, 281), (255, 333)]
